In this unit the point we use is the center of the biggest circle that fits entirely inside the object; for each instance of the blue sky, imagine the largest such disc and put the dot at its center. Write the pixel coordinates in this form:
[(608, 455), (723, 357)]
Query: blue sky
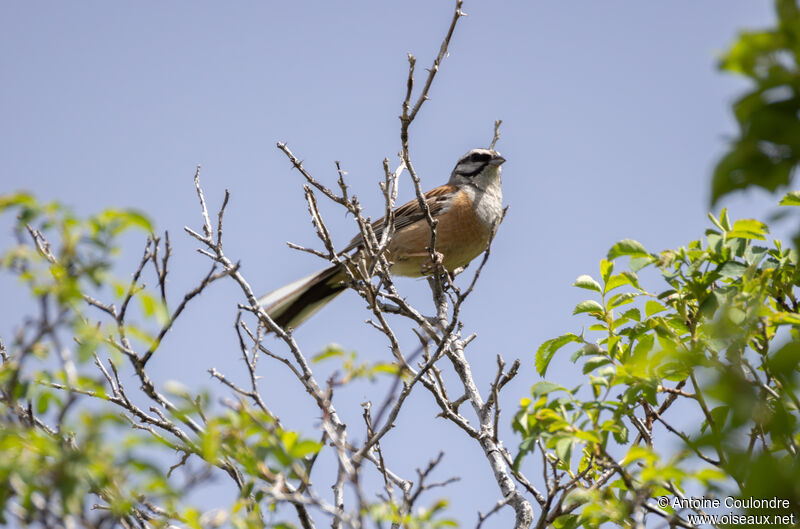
[(613, 116)]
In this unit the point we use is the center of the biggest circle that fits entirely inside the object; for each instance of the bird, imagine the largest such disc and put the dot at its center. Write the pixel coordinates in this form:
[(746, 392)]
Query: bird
[(468, 208)]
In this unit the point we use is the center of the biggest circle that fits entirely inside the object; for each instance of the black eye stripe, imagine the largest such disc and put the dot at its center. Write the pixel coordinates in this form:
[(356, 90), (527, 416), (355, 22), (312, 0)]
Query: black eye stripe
[(475, 161)]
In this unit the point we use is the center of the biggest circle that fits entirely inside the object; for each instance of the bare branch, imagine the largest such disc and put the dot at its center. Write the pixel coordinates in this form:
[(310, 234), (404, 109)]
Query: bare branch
[(496, 137)]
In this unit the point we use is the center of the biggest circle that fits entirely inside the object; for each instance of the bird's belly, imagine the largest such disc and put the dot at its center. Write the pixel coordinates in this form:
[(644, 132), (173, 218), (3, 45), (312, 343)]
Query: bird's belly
[(460, 237)]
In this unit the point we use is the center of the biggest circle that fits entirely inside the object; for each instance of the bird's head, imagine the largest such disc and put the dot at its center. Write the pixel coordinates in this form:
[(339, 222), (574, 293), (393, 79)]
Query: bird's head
[(479, 167)]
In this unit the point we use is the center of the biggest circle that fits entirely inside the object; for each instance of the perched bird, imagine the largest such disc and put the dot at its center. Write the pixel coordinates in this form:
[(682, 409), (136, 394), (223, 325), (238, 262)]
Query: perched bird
[(467, 208)]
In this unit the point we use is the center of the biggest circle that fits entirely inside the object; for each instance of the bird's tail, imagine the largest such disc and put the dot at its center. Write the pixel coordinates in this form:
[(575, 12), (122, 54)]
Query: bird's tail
[(292, 304)]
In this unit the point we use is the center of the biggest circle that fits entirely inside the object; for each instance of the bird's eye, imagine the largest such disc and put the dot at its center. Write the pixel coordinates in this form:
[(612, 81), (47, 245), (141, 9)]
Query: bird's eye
[(480, 157)]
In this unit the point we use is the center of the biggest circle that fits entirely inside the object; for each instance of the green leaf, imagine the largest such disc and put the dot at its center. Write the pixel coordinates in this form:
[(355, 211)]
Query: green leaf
[(590, 306), (137, 219), (616, 281), (588, 349), (142, 335), (544, 387), (753, 254), (153, 307), (715, 222), (546, 351), (637, 263), (708, 475), (588, 436), (747, 164), (784, 361), (745, 54), (652, 307), (621, 434), (330, 351), (748, 229), (586, 281), (44, 402), (643, 346), (791, 198), (784, 318), (20, 198), (632, 314), (577, 496), (606, 268), (119, 289), (119, 220), (89, 337), (385, 368), (210, 442), (620, 299), (636, 453), (627, 247), (192, 517), (594, 362), (633, 279), (719, 415), (563, 448), (723, 218), (731, 269), (303, 448)]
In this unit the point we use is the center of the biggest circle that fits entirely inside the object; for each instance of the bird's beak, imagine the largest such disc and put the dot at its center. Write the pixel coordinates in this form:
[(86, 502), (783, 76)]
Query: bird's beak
[(497, 160)]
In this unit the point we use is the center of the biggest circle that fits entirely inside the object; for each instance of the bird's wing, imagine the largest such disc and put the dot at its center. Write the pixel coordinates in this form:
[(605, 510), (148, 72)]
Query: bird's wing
[(437, 199)]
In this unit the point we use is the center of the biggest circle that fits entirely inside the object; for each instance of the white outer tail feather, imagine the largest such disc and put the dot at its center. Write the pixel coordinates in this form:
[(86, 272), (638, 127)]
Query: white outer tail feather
[(276, 302)]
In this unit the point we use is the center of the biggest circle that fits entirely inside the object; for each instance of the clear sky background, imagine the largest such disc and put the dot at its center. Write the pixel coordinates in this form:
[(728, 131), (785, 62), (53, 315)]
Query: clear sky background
[(613, 117)]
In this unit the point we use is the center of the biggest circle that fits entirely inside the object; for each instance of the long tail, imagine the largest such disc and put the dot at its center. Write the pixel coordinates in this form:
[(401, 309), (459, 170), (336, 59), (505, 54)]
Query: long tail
[(292, 304)]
